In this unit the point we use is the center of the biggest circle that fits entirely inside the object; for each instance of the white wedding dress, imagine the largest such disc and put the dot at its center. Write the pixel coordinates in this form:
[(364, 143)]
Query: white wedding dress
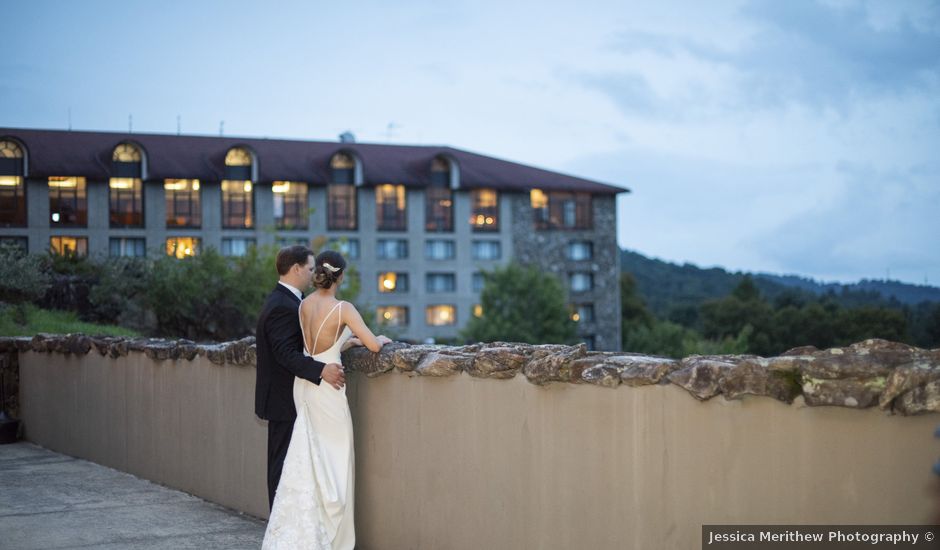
[(313, 504)]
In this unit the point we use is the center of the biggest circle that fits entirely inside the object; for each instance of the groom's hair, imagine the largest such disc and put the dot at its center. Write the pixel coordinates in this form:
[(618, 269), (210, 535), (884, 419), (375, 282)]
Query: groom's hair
[(290, 255)]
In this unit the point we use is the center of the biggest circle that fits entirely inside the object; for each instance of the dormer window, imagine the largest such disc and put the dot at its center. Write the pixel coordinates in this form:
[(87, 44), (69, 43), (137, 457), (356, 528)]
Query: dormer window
[(341, 207), (12, 189), (125, 189), (439, 198), (238, 190), (343, 168)]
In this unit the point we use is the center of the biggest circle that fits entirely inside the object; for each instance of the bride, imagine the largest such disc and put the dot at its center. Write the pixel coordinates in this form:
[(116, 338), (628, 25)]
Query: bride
[(313, 504)]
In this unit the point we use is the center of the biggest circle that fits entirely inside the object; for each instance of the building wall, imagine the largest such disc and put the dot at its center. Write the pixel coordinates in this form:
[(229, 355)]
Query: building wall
[(537, 467), (548, 249), (516, 236)]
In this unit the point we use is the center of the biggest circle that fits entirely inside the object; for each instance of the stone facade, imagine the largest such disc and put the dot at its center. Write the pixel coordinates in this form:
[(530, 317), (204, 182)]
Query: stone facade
[(897, 378), (548, 249)]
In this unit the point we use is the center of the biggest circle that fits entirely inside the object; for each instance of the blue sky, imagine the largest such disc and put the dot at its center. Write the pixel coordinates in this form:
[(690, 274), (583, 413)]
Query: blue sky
[(785, 137)]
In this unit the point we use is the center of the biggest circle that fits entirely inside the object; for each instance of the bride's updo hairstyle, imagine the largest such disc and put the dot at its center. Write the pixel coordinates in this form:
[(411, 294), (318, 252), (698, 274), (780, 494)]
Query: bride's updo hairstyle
[(329, 266)]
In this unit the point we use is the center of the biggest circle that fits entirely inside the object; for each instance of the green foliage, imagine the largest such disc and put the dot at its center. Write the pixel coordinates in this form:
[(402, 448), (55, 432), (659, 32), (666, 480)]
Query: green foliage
[(27, 320), (22, 276), (743, 321), (522, 304), (208, 296)]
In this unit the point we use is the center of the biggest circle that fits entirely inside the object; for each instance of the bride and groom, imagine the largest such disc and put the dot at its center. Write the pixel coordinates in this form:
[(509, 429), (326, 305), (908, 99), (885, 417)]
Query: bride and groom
[(310, 432)]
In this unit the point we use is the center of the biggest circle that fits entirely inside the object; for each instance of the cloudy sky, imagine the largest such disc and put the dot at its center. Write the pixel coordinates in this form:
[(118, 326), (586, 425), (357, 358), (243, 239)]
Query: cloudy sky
[(787, 137)]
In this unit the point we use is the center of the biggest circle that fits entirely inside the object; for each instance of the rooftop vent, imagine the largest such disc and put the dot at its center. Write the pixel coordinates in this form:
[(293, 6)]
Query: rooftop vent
[(347, 137)]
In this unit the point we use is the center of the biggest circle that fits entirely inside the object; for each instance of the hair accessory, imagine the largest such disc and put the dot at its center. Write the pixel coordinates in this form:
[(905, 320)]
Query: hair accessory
[(331, 268)]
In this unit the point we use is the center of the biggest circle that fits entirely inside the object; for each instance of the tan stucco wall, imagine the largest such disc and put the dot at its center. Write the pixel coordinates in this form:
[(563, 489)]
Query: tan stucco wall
[(460, 462)]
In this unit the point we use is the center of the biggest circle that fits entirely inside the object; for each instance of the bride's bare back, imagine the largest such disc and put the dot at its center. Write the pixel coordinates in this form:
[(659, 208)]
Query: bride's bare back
[(332, 315)]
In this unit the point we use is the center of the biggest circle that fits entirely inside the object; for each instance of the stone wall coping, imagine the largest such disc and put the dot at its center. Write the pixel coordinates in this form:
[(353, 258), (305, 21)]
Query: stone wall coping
[(895, 377)]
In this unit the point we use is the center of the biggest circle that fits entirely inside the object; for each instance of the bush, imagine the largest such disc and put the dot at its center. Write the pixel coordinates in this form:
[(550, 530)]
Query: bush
[(22, 276)]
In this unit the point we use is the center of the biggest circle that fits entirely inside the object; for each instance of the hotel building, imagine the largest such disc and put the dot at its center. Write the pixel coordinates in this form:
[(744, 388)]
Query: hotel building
[(420, 223)]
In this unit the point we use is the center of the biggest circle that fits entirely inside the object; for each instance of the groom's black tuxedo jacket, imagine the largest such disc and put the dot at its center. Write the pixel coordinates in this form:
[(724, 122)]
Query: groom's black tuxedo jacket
[(279, 349)]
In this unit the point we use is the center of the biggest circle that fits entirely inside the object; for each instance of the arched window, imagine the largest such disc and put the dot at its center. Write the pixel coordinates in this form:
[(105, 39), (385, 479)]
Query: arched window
[(237, 189), (126, 187), (341, 212), (342, 168), (439, 197), (12, 188)]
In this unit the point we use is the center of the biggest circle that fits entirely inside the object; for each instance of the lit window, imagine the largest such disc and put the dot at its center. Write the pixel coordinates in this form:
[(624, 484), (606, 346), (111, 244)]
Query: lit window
[(583, 313), (441, 282), (69, 246), (12, 189), (126, 152), (477, 310), (238, 156), (68, 203), (484, 215), (580, 250), (182, 203), (290, 204), (393, 282), (580, 281), (237, 204), (391, 249), (390, 207), (128, 247), (395, 316), (435, 249), (182, 247), (561, 209), (236, 246), (486, 250), (126, 202), (441, 315)]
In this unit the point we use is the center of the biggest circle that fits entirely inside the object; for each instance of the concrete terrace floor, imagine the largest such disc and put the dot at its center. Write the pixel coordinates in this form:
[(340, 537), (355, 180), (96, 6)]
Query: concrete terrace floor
[(49, 500)]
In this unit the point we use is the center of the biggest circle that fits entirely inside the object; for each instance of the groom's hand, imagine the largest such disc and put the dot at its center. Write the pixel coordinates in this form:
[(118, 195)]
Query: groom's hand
[(334, 375)]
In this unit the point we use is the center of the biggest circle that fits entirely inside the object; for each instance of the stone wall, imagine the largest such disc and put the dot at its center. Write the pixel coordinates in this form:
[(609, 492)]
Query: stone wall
[(522, 446)]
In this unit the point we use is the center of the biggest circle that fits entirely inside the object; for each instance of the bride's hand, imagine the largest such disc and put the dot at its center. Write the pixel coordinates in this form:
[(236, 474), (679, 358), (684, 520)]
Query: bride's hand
[(383, 339)]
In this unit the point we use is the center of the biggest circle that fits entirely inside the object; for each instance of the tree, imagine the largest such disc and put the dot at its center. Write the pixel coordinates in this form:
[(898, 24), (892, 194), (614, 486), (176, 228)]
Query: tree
[(522, 304)]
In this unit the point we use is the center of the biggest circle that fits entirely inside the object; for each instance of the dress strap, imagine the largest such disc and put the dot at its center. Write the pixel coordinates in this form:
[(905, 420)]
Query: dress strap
[(327, 316), (335, 336)]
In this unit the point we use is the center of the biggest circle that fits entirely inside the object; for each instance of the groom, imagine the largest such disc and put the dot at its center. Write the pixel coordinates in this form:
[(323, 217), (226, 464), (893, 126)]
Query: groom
[(280, 357)]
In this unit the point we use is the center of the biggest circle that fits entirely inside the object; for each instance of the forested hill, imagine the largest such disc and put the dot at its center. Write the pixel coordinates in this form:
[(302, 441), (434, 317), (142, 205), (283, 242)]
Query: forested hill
[(668, 288)]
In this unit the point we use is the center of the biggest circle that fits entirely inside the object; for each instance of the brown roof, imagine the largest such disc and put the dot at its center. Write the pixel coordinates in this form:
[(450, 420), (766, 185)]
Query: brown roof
[(79, 153)]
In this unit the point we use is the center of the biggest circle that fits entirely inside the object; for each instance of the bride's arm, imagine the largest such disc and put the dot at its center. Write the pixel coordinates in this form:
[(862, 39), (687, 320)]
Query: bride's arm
[(352, 318), (352, 342)]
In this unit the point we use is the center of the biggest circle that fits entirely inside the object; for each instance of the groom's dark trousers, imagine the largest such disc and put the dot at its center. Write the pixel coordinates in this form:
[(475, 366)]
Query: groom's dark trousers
[(280, 357)]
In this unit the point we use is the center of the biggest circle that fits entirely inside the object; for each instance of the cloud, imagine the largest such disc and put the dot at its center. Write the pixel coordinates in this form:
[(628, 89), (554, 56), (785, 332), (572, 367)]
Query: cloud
[(880, 220), (804, 53)]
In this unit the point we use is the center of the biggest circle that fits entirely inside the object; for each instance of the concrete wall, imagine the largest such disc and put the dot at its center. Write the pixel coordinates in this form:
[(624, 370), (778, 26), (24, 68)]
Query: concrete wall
[(460, 462)]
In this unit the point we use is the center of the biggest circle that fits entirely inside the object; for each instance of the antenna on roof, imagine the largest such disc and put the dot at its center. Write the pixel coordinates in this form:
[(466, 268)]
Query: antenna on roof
[(388, 130), (221, 128), (177, 125), (70, 119), (130, 124)]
